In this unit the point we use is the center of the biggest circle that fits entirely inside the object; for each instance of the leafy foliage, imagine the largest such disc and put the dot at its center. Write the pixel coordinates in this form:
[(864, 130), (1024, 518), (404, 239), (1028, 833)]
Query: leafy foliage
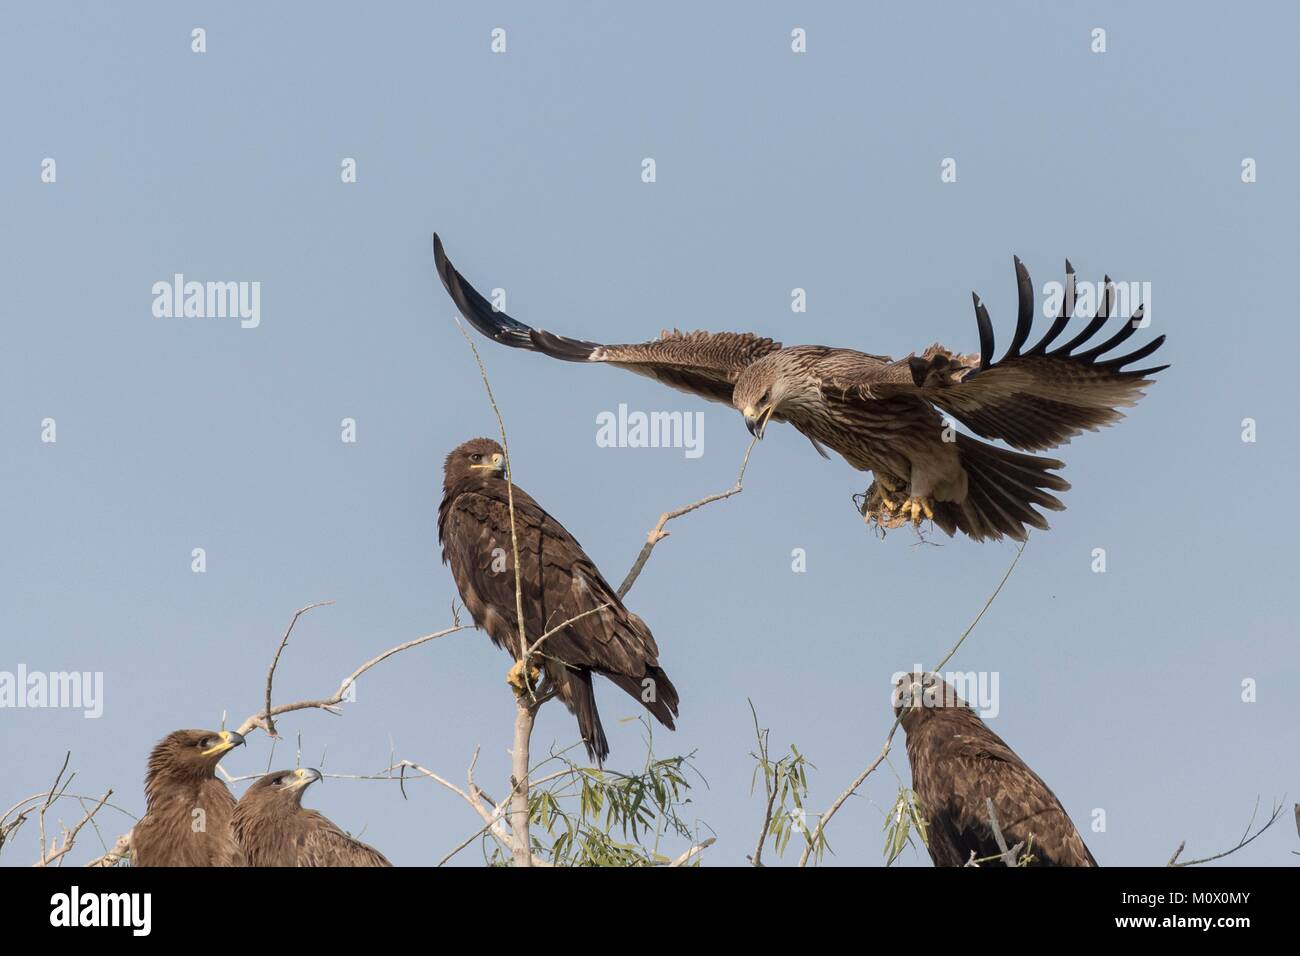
[(592, 817)]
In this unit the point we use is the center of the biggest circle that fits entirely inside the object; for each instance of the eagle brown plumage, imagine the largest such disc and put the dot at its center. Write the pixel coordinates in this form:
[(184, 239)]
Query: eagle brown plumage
[(886, 416), (188, 817), (958, 764), (559, 583), (274, 829)]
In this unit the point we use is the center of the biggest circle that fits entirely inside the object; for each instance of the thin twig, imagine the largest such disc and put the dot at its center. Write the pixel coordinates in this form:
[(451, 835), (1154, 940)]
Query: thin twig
[(269, 725), (1246, 838), (657, 533), (328, 704)]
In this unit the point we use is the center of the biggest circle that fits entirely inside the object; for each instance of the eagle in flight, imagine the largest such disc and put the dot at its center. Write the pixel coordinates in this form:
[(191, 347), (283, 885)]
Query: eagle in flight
[(959, 766), (559, 584), (891, 417)]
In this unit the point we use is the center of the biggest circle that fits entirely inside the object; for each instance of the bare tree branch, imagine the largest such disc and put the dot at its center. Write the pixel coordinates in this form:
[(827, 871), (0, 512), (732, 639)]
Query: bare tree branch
[(657, 533), (269, 724), (1246, 838), (69, 836), (1009, 854), (328, 704)]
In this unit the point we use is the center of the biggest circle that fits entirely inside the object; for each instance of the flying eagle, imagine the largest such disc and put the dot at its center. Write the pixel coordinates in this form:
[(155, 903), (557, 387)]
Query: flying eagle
[(559, 583), (958, 765), (274, 829), (886, 416), (187, 820)]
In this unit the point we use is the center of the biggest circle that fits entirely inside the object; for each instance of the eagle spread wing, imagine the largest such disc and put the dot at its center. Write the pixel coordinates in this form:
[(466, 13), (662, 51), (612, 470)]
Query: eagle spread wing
[(1031, 398), (702, 363)]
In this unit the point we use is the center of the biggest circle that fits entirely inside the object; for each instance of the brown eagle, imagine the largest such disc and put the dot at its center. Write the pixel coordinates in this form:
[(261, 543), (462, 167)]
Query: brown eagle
[(187, 820), (958, 765), (886, 416), (559, 583), (274, 830)]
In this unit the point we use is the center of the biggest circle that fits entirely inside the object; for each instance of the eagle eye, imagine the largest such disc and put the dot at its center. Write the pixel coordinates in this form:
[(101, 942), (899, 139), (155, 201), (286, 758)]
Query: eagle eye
[(205, 743), (476, 457)]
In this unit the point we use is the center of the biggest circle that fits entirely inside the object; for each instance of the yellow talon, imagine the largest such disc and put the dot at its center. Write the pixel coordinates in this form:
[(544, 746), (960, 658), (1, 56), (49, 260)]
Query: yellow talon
[(916, 507), (515, 676)]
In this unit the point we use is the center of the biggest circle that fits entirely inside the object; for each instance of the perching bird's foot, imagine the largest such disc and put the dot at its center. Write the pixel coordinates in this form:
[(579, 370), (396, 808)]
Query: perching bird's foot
[(881, 502), (916, 508), (515, 677)]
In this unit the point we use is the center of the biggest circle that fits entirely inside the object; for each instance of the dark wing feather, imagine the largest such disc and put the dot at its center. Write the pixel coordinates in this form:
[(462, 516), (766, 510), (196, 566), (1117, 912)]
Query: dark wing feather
[(324, 844), (702, 363), (958, 764), (560, 582), (1035, 398)]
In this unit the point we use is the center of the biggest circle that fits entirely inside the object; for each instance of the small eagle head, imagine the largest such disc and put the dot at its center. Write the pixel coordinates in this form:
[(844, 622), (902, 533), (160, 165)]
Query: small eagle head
[(478, 457), (283, 787), (917, 696)]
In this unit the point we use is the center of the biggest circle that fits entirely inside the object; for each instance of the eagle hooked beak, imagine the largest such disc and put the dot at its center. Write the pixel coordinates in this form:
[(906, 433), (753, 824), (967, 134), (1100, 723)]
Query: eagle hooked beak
[(229, 741), (304, 777), (756, 422)]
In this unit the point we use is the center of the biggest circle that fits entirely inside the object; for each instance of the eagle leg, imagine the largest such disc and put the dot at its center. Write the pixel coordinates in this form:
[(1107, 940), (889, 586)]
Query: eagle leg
[(515, 677), (918, 505)]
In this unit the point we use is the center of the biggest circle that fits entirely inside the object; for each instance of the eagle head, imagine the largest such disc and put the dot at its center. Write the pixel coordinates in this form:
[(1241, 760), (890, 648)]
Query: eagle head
[(917, 696), (758, 392), (476, 458), (190, 754), (282, 787)]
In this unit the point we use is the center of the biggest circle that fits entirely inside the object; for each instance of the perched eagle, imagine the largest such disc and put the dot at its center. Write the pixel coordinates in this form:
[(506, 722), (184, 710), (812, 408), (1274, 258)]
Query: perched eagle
[(274, 830), (886, 416), (958, 764), (559, 583), (187, 820)]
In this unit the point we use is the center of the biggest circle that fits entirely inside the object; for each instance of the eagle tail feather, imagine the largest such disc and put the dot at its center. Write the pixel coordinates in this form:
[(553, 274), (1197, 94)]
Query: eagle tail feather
[(1003, 490), (663, 702), (582, 701)]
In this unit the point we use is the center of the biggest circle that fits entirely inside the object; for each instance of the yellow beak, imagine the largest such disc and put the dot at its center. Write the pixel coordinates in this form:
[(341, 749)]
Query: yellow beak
[(305, 777), (756, 422), (229, 741)]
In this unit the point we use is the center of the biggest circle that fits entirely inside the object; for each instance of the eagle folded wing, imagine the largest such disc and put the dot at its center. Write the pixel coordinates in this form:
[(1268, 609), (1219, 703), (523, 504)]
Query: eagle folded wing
[(1031, 398), (560, 582), (326, 845), (702, 363), (1026, 809)]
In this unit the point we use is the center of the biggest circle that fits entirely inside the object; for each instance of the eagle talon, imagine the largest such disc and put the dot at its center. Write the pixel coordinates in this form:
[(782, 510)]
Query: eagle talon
[(515, 677), (878, 507), (914, 507)]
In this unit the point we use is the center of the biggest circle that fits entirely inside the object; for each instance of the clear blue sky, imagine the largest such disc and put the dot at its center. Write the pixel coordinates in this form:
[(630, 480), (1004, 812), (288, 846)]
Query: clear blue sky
[(774, 171)]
